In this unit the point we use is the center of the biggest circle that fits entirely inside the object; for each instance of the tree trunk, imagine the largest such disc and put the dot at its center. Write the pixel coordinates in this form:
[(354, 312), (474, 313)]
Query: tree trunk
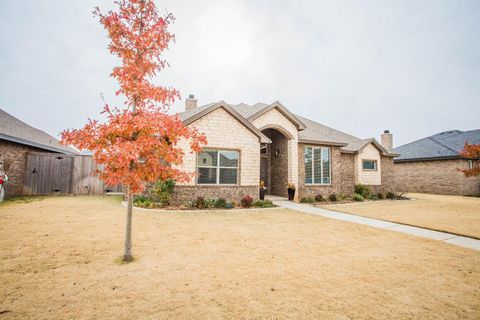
[(127, 255)]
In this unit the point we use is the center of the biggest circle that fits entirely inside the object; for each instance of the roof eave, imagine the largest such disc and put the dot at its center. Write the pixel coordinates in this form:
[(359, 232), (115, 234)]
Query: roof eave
[(327, 143), (290, 116), (428, 159), (35, 144), (222, 104)]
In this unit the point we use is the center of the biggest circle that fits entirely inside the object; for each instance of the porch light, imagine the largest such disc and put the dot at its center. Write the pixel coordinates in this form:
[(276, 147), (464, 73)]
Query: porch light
[(277, 152)]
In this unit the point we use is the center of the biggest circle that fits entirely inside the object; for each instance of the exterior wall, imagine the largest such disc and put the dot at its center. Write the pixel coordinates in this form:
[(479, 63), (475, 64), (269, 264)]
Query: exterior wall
[(274, 119), (277, 164), (435, 176), (184, 193), (305, 190), (224, 132), (347, 167), (369, 177), (13, 157), (388, 176)]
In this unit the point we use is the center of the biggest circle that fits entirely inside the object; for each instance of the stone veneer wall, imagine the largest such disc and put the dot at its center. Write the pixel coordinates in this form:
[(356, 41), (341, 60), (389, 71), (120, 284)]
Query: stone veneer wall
[(184, 193), (225, 132), (274, 119), (304, 190), (14, 157), (369, 177), (435, 176), (278, 164)]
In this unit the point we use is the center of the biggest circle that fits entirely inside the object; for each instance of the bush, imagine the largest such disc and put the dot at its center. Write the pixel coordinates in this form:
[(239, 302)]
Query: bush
[(246, 201), (380, 196), (210, 203), (332, 197), (390, 195), (200, 203), (343, 197), (221, 203), (229, 205), (357, 197), (319, 198), (263, 203), (363, 190), (161, 191), (374, 197), (143, 202), (307, 200)]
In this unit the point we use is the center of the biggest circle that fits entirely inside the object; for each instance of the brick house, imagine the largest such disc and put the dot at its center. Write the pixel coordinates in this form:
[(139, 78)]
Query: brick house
[(16, 140), (431, 164), (250, 143)]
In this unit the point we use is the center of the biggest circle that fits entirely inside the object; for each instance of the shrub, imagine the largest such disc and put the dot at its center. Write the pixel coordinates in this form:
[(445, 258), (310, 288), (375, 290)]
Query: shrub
[(200, 203), (390, 195), (161, 191), (374, 197), (191, 203), (246, 201), (357, 197), (229, 205), (143, 202), (380, 196), (363, 190), (343, 197), (210, 203), (307, 200), (319, 198), (263, 203), (221, 203), (332, 197)]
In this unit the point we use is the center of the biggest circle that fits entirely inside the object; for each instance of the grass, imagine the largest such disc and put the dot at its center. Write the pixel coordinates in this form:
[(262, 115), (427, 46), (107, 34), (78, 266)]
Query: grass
[(456, 214), (57, 262)]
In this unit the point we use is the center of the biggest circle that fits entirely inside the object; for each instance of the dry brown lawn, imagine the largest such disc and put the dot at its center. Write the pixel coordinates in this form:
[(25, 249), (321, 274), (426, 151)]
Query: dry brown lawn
[(57, 262), (460, 215)]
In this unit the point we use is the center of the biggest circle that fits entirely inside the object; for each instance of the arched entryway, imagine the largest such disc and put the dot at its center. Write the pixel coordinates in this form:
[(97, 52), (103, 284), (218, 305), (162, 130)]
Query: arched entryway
[(274, 162)]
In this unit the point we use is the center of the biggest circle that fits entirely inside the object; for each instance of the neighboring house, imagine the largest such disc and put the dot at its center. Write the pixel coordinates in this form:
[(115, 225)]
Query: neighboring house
[(431, 164), (250, 143), (17, 139)]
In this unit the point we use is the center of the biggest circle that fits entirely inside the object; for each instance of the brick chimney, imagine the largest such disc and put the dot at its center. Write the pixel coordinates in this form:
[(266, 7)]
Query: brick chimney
[(387, 140), (190, 102)]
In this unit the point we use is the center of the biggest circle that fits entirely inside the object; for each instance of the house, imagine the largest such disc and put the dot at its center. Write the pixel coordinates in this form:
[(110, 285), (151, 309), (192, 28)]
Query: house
[(16, 140), (431, 164), (267, 142)]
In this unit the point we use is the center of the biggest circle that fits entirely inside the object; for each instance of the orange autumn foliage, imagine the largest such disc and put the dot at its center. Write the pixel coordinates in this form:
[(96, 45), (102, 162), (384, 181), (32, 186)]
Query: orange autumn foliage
[(471, 151), (139, 143)]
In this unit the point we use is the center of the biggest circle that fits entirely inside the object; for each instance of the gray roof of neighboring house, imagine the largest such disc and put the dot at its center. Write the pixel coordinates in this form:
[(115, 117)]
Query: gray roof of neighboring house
[(442, 145), (313, 132), (14, 130)]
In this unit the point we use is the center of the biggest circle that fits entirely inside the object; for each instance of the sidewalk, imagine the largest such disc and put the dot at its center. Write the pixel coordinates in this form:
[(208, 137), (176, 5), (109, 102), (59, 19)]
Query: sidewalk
[(392, 226)]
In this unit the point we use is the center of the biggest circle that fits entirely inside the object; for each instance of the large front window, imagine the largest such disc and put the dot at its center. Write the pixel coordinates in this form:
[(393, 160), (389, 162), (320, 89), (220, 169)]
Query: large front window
[(317, 165), (217, 167)]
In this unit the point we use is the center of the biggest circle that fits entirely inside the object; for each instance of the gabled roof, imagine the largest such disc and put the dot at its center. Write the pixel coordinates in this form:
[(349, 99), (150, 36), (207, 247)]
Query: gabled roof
[(309, 131), (281, 108), (443, 145), (206, 109), (14, 130)]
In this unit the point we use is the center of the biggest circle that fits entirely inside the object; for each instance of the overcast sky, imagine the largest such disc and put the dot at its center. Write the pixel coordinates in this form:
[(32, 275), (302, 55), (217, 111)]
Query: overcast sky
[(359, 66)]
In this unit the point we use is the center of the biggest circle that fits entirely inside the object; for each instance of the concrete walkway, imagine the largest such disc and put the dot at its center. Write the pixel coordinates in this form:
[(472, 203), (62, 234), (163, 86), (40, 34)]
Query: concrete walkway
[(416, 231)]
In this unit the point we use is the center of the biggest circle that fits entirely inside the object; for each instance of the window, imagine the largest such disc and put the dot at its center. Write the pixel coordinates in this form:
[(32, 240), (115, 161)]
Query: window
[(217, 167), (317, 165), (470, 164), (369, 165)]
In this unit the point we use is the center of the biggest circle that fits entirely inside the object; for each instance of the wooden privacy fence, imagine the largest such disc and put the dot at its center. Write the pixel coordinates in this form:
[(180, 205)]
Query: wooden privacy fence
[(48, 173)]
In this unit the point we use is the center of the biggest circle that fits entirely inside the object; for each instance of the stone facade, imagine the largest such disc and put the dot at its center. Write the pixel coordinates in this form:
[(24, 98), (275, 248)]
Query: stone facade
[(184, 193), (226, 133), (14, 157), (435, 176), (275, 120), (369, 177)]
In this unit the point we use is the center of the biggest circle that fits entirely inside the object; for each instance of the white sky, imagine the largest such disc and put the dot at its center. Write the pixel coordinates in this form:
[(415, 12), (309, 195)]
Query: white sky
[(358, 66)]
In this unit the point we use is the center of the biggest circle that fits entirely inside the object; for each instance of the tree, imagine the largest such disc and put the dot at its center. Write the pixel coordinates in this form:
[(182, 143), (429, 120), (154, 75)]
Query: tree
[(471, 151), (139, 143)]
